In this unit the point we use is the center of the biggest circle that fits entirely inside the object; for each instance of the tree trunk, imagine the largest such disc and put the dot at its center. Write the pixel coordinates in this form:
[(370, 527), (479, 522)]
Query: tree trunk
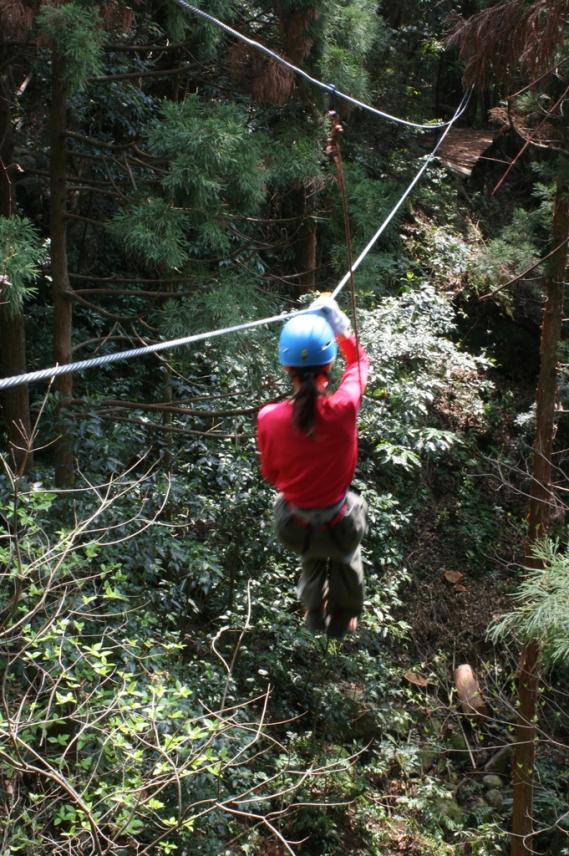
[(62, 306), (15, 402), (299, 204), (540, 507), (306, 255)]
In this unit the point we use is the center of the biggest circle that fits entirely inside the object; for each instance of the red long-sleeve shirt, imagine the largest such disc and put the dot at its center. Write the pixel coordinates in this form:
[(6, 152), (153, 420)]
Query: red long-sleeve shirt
[(316, 471)]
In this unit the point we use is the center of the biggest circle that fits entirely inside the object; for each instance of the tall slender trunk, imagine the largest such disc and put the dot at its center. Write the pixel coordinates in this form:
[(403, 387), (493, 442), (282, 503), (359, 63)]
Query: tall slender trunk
[(167, 418), (15, 402), (540, 506), (62, 306), (306, 240), (307, 255)]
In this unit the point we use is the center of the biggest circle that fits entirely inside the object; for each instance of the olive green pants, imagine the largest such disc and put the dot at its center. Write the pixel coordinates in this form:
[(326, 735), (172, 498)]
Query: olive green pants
[(331, 559)]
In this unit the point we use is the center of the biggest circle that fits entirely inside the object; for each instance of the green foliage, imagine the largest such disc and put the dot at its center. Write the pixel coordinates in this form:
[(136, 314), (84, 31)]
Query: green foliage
[(294, 157), (181, 24), (436, 196), (213, 160), (154, 231), (512, 252), (76, 31), (544, 190), (487, 839), (541, 611), (231, 298), (445, 253), (213, 173), (21, 256), (415, 361), (115, 110), (118, 737), (350, 29), (369, 201)]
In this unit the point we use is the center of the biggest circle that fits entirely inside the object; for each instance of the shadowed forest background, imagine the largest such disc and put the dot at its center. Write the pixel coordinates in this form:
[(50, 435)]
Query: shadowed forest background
[(159, 693)]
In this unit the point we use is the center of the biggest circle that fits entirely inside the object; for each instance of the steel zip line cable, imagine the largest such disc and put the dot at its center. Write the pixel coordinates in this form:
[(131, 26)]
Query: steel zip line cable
[(460, 109), (326, 87), (106, 359)]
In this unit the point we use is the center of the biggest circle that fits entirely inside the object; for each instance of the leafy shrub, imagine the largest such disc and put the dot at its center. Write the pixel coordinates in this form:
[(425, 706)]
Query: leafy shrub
[(22, 254), (109, 739)]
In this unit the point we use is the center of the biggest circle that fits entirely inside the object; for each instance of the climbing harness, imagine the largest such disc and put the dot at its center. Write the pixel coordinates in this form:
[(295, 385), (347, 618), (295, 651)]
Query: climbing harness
[(319, 518), (316, 519)]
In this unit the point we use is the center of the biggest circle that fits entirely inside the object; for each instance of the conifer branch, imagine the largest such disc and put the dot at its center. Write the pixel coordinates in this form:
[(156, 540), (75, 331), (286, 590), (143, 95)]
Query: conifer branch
[(79, 217), (126, 279), (133, 292), (170, 429), (72, 295), (97, 340), (525, 273), (136, 75), (100, 144), (115, 48), (92, 183), (185, 411)]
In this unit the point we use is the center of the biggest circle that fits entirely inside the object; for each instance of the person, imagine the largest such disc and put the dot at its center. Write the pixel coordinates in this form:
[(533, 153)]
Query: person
[(308, 451)]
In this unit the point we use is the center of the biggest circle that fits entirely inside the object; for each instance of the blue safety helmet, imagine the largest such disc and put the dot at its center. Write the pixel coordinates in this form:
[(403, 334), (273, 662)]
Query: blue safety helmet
[(307, 340)]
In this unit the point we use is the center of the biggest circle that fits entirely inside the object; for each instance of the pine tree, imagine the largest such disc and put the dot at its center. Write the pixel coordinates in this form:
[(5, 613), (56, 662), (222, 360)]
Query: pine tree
[(75, 37), (516, 35)]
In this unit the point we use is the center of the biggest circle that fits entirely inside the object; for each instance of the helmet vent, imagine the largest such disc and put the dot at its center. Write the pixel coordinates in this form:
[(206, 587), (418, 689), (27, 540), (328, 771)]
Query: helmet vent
[(307, 340)]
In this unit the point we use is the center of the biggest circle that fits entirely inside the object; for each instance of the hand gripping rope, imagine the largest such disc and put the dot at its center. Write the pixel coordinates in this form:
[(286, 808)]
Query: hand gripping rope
[(106, 359)]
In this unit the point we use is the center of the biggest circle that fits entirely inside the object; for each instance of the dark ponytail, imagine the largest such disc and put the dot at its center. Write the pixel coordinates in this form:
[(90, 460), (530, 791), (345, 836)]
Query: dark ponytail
[(305, 398)]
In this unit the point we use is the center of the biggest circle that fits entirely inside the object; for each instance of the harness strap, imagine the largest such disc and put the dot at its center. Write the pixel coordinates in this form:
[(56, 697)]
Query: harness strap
[(311, 529), (319, 518), (315, 519)]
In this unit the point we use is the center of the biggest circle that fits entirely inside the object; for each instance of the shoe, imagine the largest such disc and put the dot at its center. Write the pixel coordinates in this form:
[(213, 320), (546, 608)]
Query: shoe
[(314, 620), (341, 623)]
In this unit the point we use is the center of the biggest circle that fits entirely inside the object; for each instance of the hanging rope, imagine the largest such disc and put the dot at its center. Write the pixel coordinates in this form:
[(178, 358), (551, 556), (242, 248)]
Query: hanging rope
[(459, 111), (334, 152)]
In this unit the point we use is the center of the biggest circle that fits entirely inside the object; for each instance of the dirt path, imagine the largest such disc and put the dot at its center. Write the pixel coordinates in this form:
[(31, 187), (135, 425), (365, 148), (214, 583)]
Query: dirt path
[(463, 148)]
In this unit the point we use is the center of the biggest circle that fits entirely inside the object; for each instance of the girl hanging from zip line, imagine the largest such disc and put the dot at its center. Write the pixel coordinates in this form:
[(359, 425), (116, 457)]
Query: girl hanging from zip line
[(308, 451)]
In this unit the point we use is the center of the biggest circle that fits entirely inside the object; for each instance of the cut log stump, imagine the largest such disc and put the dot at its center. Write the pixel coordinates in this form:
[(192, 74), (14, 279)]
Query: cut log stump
[(469, 692)]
